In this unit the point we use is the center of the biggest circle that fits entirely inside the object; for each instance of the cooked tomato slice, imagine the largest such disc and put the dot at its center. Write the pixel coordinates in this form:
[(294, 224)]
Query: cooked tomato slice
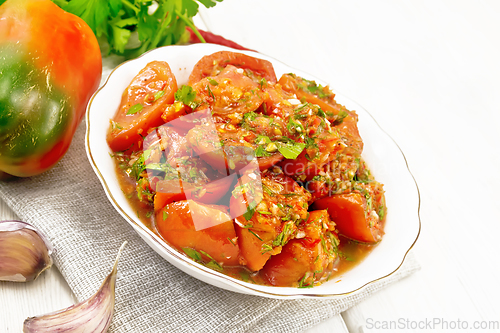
[(309, 164), (251, 243), (314, 94), (348, 129), (142, 105), (208, 228), (212, 64), (307, 260), (229, 92), (356, 218), (168, 191), (215, 149), (266, 207)]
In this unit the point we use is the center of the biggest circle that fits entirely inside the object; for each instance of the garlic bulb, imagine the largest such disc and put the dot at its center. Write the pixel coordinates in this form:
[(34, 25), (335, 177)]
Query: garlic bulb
[(24, 252), (92, 315)]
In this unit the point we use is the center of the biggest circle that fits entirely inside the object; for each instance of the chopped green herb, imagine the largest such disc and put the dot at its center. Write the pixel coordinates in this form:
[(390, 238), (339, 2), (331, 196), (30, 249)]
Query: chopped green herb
[(267, 190), (165, 215), (186, 95), (302, 282), (291, 150), (212, 263), (159, 94), (138, 167), (340, 117), (381, 212), (284, 235), (210, 92), (245, 275), (294, 126), (253, 233), (321, 113), (250, 116), (266, 248), (115, 125), (213, 82), (263, 83), (262, 139), (192, 253), (260, 151), (249, 213), (135, 108), (239, 190)]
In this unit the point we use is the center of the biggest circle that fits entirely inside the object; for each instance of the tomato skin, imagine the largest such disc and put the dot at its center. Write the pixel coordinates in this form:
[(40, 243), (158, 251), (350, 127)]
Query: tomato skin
[(304, 168), (328, 104), (257, 228), (266, 162), (290, 265), (348, 212), (229, 92), (175, 224), (207, 65), (209, 193), (348, 129), (227, 157), (309, 259), (128, 129), (250, 243), (60, 70)]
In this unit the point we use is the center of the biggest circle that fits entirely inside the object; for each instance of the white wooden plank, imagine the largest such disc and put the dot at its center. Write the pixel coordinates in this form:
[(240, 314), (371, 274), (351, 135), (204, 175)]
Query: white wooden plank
[(18, 301)]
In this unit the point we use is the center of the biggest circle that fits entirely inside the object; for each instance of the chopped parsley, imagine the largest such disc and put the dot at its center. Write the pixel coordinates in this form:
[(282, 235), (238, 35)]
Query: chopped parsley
[(186, 95), (159, 94), (290, 150), (253, 233), (284, 235), (135, 108), (197, 256), (250, 211)]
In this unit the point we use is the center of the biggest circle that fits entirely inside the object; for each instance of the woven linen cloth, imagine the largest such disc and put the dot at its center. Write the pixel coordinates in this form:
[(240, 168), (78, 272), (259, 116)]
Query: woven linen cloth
[(69, 205)]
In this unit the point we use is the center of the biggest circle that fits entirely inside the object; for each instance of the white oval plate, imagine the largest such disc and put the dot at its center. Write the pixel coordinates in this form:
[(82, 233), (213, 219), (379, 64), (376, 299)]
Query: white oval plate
[(383, 156)]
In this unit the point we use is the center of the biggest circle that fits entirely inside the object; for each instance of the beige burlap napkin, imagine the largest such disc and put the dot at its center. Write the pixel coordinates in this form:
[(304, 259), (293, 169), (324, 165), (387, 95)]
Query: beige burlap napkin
[(69, 205)]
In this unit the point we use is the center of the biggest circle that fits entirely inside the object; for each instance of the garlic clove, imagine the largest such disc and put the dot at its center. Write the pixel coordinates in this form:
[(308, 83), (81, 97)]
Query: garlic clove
[(92, 315), (24, 252)]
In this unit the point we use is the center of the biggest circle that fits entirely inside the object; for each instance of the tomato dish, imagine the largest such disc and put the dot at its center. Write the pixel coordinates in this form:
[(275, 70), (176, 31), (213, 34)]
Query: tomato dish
[(257, 177)]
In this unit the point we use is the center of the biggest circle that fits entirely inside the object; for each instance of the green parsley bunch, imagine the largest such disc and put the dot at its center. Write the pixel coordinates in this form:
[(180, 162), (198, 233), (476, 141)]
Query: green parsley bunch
[(157, 23)]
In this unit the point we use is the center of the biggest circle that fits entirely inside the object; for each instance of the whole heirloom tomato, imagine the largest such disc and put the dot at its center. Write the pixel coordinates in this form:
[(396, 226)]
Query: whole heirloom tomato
[(50, 65)]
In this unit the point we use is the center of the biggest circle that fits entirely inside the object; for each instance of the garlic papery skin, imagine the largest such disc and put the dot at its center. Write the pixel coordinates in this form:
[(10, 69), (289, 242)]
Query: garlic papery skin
[(24, 252), (92, 315)]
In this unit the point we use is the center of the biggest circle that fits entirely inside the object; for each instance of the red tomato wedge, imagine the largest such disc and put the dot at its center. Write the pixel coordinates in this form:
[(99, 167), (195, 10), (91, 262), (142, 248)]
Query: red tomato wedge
[(168, 191), (291, 264), (142, 105), (212, 64), (251, 242), (208, 228), (229, 92), (306, 260), (299, 87), (348, 212)]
